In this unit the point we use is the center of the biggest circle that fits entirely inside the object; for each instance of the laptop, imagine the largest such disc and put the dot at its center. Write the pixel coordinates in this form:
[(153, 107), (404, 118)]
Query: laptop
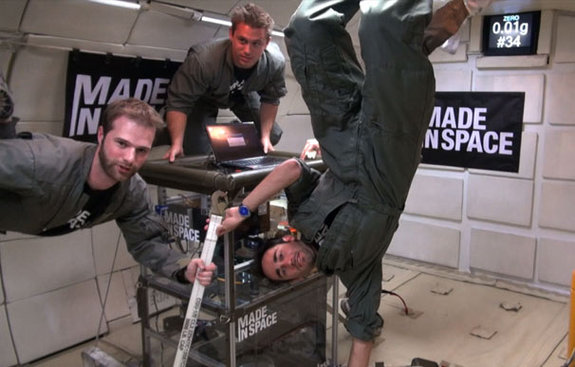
[(238, 145)]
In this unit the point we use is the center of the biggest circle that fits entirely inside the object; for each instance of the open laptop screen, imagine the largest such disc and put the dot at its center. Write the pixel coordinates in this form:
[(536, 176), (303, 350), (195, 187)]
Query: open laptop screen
[(234, 141)]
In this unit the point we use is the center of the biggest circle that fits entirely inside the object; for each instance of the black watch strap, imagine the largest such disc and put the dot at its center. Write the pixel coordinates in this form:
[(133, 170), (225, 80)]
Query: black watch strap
[(181, 276)]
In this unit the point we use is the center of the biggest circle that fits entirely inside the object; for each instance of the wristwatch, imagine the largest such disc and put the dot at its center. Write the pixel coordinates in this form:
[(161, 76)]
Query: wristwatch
[(244, 211)]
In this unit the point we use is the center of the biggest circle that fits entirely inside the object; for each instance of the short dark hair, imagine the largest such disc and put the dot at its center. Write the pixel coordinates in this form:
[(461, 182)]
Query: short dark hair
[(137, 110), (262, 249), (268, 245), (252, 15)]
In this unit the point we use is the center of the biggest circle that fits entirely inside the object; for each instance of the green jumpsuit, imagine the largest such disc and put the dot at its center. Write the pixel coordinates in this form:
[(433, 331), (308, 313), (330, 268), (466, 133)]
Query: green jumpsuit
[(370, 125)]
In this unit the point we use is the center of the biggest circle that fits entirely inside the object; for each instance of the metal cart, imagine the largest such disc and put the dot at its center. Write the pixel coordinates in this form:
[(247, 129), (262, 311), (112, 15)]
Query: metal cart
[(251, 319)]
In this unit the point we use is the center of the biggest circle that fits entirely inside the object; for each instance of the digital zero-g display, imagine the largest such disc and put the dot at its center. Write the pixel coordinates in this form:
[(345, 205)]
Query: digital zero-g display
[(511, 34)]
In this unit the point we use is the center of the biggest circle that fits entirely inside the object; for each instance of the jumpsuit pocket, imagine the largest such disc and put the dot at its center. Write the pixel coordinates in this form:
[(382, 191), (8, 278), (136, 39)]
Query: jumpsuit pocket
[(330, 81), (336, 252)]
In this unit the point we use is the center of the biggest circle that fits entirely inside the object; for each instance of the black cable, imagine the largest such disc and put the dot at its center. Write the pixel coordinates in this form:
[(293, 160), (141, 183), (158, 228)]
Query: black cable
[(104, 301), (383, 291), (157, 324)]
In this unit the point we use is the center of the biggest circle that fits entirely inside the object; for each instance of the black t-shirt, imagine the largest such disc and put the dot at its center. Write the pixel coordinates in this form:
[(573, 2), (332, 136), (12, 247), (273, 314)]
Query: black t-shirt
[(237, 86), (97, 203)]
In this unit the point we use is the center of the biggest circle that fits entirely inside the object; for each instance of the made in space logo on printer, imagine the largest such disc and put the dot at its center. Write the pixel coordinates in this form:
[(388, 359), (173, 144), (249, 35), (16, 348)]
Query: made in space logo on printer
[(183, 222), (252, 323)]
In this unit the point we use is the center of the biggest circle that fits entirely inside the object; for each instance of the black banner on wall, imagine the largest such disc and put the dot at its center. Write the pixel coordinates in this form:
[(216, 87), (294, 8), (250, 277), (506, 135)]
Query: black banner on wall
[(475, 130), (95, 80)]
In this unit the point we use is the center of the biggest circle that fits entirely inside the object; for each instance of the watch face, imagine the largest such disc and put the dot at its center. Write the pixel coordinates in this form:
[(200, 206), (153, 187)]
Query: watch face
[(244, 212)]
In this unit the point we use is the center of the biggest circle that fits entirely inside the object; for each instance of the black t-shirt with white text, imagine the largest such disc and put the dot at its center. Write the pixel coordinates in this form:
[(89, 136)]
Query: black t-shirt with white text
[(236, 96), (97, 203)]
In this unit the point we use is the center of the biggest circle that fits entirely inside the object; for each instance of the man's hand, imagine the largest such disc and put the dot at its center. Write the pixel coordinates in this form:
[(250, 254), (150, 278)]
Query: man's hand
[(268, 114), (267, 145), (311, 150), (231, 220), (173, 152), (176, 122), (205, 274), (475, 7)]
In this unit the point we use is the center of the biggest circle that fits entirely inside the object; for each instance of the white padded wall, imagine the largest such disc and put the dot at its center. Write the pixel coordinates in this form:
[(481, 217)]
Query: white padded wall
[(10, 14), (107, 241), (447, 80), (460, 55), (114, 292), (33, 266), (564, 50), (297, 128), (426, 242), (557, 205), (560, 107), (7, 353), (559, 153), (531, 84), (55, 320), (555, 256), (292, 103), (38, 82), (436, 196), (503, 253), (501, 200)]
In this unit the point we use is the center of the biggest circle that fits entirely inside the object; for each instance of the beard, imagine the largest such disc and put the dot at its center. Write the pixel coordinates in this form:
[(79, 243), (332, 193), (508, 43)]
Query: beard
[(309, 253), (115, 169)]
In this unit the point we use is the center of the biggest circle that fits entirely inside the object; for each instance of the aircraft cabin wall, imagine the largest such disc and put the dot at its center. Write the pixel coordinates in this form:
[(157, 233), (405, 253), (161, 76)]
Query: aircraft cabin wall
[(514, 228)]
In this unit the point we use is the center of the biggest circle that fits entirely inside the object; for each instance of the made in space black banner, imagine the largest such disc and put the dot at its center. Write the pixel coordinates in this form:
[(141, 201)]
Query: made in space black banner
[(475, 130), (95, 80)]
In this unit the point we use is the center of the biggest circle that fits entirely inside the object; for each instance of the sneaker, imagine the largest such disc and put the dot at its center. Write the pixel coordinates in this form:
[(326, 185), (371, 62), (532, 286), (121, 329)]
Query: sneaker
[(344, 305), (7, 122), (6, 101), (475, 7)]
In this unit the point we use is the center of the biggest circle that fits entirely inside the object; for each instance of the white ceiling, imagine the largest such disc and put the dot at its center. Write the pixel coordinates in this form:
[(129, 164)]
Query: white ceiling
[(73, 23)]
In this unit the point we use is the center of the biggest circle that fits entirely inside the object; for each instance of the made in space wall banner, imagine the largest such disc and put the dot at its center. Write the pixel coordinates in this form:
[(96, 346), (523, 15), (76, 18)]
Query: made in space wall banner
[(475, 130), (94, 80)]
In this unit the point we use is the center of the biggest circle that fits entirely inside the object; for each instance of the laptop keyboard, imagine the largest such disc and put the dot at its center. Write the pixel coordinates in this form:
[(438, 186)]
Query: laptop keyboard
[(265, 160)]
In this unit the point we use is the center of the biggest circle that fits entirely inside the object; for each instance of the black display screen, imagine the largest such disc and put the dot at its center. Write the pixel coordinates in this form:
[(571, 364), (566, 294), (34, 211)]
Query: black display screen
[(511, 34)]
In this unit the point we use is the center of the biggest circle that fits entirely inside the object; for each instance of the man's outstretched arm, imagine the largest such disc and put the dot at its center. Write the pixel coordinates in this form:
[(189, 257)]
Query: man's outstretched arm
[(281, 177)]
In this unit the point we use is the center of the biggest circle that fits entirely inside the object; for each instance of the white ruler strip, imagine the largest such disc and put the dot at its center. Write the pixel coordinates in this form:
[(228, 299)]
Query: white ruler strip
[(195, 303)]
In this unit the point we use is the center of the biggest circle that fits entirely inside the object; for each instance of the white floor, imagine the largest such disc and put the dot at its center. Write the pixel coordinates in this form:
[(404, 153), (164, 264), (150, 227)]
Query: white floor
[(454, 319)]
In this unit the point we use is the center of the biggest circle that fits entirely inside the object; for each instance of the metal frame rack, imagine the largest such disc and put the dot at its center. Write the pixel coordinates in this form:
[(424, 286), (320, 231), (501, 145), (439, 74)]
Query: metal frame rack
[(198, 175)]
